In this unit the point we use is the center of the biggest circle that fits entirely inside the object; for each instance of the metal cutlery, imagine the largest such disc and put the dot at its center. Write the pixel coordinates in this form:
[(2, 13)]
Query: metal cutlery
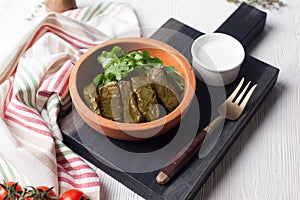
[(231, 109)]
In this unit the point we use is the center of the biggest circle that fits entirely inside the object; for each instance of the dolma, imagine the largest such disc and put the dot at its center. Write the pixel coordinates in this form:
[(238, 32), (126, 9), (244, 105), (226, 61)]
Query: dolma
[(164, 87), (92, 98), (110, 101), (131, 114), (145, 97)]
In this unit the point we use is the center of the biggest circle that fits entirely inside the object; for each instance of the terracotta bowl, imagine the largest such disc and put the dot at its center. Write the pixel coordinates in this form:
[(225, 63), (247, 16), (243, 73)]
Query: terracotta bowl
[(87, 67)]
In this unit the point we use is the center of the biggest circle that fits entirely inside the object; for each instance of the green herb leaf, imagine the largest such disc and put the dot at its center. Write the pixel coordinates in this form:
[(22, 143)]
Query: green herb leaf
[(117, 64), (106, 57), (174, 74)]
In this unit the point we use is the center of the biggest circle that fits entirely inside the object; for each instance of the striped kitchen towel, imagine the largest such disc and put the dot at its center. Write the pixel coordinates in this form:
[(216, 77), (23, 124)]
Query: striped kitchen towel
[(34, 92)]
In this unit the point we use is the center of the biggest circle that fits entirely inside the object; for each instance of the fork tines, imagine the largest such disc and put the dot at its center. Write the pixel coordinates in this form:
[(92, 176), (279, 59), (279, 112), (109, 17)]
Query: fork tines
[(238, 96)]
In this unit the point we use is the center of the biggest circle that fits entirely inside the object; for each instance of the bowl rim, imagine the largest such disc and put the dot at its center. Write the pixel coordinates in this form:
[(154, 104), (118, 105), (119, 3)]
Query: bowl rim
[(217, 35), (181, 109)]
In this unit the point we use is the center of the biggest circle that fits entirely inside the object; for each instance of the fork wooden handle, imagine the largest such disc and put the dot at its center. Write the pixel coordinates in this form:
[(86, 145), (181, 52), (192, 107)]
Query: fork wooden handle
[(179, 162), (186, 153)]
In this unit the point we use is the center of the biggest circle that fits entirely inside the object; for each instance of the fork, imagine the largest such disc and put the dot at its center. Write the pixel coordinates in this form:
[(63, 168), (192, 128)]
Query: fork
[(230, 109)]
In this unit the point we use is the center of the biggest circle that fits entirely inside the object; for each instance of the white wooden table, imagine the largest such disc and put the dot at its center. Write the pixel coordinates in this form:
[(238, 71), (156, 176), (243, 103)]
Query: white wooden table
[(264, 161)]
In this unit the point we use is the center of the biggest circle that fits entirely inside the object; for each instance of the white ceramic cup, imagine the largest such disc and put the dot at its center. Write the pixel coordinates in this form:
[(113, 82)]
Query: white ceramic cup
[(217, 58)]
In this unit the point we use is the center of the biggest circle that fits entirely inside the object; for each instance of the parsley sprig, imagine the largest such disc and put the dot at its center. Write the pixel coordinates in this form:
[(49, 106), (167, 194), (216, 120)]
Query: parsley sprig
[(263, 3), (118, 64)]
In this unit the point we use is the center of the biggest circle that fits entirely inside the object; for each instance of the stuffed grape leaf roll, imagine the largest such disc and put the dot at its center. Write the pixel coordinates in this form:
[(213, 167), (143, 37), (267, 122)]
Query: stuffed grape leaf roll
[(164, 87), (146, 97), (91, 97), (131, 114), (110, 101)]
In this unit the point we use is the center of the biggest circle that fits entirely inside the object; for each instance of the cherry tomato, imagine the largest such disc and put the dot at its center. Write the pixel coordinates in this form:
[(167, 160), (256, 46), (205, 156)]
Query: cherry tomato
[(74, 194), (42, 192), (10, 190)]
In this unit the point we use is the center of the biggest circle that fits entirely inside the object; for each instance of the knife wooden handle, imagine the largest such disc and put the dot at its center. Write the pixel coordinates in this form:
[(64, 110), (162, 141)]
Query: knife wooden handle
[(180, 160)]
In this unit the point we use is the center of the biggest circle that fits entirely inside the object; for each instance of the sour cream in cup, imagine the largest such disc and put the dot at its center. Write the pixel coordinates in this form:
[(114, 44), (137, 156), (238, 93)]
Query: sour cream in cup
[(217, 58)]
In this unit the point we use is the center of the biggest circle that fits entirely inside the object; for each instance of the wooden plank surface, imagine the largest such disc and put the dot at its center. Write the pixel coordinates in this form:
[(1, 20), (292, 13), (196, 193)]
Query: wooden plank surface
[(180, 36)]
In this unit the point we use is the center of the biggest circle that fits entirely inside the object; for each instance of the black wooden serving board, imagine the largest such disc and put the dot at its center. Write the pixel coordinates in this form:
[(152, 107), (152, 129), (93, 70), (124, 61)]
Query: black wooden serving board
[(244, 24)]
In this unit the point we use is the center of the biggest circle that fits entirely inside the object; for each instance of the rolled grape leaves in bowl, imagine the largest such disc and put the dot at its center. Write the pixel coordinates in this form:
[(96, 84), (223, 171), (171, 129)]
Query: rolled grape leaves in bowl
[(132, 88)]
